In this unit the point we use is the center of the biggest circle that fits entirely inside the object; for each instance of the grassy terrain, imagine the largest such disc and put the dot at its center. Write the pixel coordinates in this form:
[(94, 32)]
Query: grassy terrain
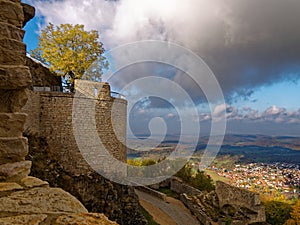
[(215, 177), (168, 192)]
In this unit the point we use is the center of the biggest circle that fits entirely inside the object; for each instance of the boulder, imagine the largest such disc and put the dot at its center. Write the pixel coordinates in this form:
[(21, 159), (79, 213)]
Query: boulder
[(40, 201)]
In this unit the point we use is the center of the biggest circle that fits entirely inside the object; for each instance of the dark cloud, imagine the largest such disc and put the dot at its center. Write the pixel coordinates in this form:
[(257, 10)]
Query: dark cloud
[(247, 43)]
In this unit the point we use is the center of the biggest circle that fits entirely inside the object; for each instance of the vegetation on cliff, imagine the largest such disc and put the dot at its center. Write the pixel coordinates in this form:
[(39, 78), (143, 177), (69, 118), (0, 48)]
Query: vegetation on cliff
[(195, 178), (280, 211)]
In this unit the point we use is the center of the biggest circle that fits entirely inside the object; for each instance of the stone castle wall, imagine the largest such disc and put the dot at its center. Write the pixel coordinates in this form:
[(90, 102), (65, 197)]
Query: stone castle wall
[(50, 117), (56, 156)]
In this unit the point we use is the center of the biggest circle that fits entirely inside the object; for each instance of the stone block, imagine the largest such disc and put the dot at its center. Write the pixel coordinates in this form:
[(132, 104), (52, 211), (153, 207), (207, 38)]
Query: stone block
[(12, 172), (14, 77), (235, 196), (11, 32), (41, 201), (13, 149), (12, 52), (12, 124), (13, 100), (11, 12)]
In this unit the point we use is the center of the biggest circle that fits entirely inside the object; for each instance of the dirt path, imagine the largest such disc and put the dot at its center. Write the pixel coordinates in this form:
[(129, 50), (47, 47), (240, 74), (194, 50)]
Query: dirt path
[(158, 215), (171, 212)]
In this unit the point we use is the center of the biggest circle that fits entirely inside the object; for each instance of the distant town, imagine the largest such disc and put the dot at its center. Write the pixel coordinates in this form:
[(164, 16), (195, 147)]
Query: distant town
[(279, 178)]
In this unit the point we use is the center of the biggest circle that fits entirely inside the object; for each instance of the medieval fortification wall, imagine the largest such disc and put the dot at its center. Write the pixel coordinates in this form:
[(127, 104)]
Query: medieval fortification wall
[(50, 117)]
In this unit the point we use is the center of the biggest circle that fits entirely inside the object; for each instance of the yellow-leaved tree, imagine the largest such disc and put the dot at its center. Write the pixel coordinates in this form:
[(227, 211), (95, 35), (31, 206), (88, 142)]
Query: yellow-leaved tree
[(70, 51)]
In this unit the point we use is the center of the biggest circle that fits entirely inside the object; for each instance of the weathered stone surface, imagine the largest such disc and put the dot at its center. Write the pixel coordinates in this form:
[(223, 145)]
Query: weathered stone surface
[(13, 149), (29, 13), (11, 12), (83, 218), (241, 200), (14, 171), (30, 182), (41, 201), (11, 32), (228, 194), (41, 75), (14, 77), (12, 101), (9, 187), (16, 1), (23, 219), (12, 52), (12, 124), (180, 187)]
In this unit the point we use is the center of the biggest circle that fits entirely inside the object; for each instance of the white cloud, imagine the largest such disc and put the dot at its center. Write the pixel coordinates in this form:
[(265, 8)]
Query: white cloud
[(272, 114)]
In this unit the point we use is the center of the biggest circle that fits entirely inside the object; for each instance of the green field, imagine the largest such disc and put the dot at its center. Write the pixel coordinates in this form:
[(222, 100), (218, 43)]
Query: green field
[(215, 177)]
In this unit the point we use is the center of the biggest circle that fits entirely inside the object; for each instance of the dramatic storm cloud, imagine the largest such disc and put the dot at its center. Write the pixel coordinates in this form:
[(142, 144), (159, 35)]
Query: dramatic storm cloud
[(247, 43)]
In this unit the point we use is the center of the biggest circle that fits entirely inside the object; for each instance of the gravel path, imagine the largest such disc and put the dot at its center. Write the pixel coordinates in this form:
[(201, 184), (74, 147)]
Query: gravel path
[(173, 208)]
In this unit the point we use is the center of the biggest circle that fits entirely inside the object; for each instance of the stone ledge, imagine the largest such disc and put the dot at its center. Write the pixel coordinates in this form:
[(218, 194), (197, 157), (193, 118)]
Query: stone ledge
[(14, 77), (13, 172), (12, 124), (13, 149), (31, 182), (9, 187)]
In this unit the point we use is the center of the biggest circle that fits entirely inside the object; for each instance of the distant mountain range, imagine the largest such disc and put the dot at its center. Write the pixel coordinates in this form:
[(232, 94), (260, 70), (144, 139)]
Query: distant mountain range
[(259, 141), (245, 148)]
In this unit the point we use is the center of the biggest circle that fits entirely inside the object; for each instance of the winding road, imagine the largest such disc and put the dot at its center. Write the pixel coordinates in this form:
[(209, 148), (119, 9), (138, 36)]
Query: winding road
[(166, 213)]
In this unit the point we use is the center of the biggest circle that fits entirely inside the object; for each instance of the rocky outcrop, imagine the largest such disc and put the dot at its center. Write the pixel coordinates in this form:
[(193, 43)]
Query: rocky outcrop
[(118, 202), (226, 205), (241, 201), (24, 199)]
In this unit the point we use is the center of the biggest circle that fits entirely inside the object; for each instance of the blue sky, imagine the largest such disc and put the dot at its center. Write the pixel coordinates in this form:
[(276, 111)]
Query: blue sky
[(254, 54)]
